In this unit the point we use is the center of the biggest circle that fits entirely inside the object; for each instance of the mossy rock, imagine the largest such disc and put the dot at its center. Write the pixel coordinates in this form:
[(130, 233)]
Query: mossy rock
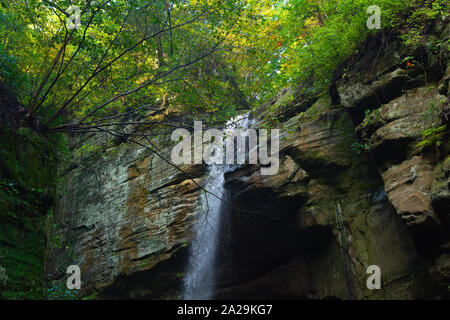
[(27, 189)]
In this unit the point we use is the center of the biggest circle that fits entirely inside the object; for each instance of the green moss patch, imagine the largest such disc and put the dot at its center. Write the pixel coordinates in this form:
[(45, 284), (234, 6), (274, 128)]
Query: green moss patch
[(27, 182)]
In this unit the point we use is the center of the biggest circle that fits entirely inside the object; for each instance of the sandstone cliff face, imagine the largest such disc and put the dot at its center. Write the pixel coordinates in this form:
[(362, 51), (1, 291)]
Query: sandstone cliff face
[(364, 180), (328, 214), (122, 214)]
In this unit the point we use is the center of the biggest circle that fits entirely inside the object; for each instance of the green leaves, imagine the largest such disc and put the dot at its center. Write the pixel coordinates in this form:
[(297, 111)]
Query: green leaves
[(11, 76), (359, 147), (432, 137), (259, 47)]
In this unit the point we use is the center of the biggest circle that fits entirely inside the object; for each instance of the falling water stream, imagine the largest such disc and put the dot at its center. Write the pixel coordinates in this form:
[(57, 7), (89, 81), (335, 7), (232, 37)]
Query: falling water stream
[(200, 277)]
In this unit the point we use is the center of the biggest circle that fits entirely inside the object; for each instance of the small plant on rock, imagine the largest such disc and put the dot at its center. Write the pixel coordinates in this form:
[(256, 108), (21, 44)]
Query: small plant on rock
[(372, 117), (359, 147), (432, 136)]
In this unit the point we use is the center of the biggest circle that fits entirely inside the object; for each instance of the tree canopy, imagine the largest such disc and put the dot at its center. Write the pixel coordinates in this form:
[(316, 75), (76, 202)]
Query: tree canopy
[(209, 56)]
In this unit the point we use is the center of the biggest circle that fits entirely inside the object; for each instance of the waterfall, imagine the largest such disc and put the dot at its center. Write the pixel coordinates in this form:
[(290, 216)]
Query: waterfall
[(199, 281)]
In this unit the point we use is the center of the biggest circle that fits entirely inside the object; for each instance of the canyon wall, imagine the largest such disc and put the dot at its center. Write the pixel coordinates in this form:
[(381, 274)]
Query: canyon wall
[(364, 180)]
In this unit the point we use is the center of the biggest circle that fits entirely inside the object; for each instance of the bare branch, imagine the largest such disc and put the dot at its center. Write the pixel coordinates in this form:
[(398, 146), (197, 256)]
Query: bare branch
[(158, 152), (62, 70), (53, 5), (100, 69), (53, 65), (145, 84)]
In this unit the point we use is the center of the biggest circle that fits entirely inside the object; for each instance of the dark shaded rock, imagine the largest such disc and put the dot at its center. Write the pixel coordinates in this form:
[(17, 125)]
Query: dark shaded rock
[(340, 225), (440, 190)]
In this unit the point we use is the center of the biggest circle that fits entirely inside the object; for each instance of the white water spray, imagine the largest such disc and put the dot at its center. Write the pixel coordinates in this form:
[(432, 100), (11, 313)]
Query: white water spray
[(199, 282)]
